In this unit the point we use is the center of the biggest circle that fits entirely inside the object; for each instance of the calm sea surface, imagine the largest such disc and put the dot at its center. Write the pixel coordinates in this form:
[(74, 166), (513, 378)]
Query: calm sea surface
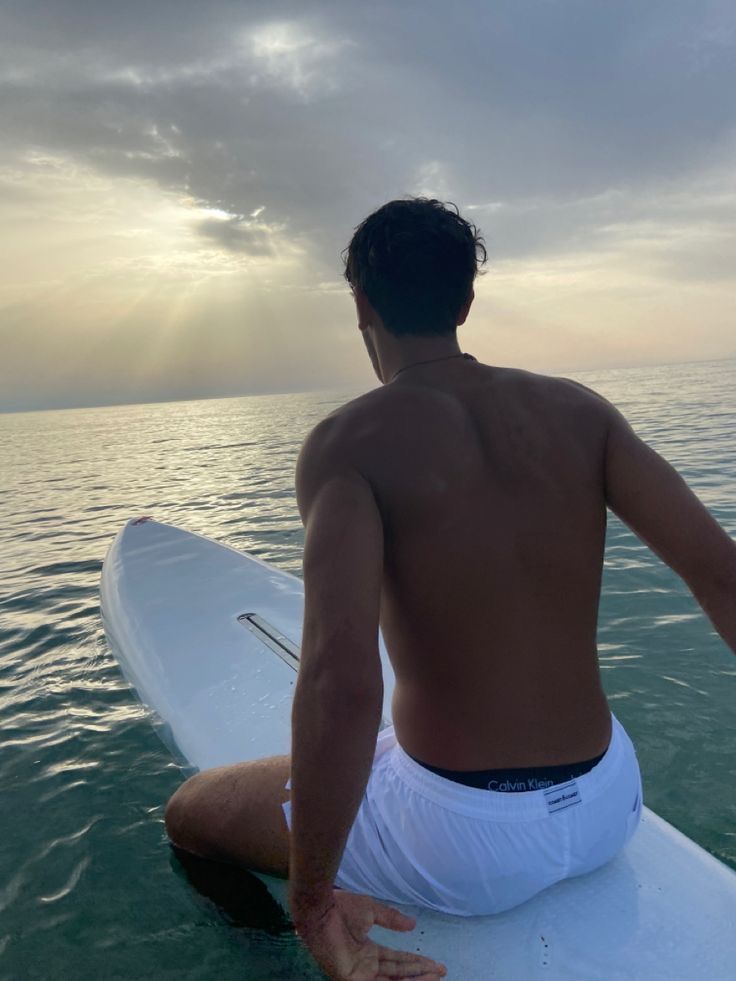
[(88, 885)]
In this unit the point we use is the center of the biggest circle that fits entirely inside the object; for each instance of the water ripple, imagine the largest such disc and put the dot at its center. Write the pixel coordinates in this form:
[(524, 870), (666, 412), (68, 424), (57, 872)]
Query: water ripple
[(69, 885), (84, 865)]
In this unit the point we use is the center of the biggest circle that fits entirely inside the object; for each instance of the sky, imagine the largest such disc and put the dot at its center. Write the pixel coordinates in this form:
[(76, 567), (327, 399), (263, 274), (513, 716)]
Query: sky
[(178, 180)]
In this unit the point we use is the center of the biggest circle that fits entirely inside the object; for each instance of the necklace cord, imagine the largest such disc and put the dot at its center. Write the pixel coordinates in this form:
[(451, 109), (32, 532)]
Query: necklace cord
[(447, 357)]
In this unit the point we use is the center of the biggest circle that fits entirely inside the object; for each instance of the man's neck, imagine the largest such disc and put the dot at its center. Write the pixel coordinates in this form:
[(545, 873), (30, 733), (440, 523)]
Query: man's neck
[(399, 355)]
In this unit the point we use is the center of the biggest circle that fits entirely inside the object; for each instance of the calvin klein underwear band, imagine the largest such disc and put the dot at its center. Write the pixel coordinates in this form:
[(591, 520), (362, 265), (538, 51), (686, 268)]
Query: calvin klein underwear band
[(517, 779)]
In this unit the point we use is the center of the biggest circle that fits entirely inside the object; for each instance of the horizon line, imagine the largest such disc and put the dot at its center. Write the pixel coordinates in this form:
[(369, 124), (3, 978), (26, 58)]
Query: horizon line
[(308, 391)]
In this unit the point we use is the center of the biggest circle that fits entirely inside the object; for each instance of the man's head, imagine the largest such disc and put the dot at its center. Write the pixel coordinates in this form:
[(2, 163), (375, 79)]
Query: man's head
[(415, 260)]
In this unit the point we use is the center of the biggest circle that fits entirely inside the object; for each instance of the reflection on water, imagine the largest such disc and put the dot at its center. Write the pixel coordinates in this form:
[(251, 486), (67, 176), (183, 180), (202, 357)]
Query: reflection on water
[(88, 885), (241, 898)]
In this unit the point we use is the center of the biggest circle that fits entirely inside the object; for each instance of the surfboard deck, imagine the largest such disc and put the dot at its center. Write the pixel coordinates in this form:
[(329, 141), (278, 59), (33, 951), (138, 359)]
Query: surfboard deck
[(209, 637)]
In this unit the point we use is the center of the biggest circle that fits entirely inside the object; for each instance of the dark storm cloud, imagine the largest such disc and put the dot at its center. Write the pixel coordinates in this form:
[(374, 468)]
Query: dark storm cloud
[(238, 235), (320, 112)]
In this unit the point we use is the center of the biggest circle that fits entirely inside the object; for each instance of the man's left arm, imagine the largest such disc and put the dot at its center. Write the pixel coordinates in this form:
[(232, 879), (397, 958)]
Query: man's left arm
[(339, 692)]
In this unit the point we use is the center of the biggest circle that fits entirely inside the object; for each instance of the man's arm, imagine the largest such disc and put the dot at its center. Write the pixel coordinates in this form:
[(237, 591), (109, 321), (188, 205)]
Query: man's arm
[(336, 715), (648, 494), (339, 692)]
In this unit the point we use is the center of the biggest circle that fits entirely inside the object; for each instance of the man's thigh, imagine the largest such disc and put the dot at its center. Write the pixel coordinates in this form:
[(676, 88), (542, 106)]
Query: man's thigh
[(233, 814)]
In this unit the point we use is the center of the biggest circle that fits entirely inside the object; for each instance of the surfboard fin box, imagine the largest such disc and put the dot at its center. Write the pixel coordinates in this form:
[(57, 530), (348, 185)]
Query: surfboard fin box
[(272, 637)]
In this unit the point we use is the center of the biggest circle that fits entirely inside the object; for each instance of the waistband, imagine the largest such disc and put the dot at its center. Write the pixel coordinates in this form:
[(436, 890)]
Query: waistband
[(516, 779), (498, 805)]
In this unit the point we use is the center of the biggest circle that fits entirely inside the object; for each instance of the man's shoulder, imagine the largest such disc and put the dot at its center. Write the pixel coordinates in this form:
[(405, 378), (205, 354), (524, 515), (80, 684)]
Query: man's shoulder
[(329, 453), (364, 402), (335, 438), (351, 420), (557, 390)]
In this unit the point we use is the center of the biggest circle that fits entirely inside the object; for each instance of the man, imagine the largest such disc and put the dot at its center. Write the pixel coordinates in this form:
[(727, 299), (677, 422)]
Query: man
[(464, 507)]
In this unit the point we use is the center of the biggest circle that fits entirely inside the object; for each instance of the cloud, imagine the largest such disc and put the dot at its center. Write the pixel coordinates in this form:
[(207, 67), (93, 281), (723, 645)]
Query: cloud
[(287, 56), (238, 235), (250, 139), (322, 115)]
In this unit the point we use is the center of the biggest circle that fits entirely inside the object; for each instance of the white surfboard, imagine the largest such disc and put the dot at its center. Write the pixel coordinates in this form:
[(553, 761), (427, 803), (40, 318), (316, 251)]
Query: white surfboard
[(209, 639)]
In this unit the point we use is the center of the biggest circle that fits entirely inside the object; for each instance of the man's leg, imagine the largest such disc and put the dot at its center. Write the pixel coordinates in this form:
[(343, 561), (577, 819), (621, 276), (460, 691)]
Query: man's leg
[(233, 814)]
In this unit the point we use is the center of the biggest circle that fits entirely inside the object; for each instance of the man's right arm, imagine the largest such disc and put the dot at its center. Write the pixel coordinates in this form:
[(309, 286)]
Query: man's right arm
[(649, 496)]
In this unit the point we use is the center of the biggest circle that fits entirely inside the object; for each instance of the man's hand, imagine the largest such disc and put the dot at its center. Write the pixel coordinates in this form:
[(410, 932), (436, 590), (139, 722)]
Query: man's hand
[(339, 942)]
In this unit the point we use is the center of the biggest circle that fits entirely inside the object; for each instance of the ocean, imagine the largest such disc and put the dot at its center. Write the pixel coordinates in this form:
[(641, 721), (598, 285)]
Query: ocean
[(89, 888)]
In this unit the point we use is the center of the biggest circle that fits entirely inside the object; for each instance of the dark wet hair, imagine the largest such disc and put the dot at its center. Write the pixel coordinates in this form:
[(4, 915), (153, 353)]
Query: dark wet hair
[(415, 259)]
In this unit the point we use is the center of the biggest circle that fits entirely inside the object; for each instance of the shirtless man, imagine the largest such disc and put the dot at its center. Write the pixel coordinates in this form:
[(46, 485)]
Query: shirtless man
[(462, 506)]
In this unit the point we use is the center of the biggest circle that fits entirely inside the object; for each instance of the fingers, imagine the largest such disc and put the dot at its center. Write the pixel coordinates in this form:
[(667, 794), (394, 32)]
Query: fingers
[(392, 919), (403, 964)]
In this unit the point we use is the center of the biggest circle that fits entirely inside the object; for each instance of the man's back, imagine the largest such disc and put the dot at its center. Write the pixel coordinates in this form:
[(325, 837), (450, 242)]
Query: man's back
[(490, 483)]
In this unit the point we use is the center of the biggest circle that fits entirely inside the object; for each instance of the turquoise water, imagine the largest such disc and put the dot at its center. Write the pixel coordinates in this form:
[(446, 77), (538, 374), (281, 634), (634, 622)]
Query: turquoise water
[(88, 886)]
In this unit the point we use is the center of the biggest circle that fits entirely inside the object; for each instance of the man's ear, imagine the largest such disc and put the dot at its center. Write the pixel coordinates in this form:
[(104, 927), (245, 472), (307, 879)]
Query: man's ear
[(364, 309), (465, 308)]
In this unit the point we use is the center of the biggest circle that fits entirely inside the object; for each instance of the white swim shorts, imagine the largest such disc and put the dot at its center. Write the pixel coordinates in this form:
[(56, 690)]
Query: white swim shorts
[(421, 839)]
